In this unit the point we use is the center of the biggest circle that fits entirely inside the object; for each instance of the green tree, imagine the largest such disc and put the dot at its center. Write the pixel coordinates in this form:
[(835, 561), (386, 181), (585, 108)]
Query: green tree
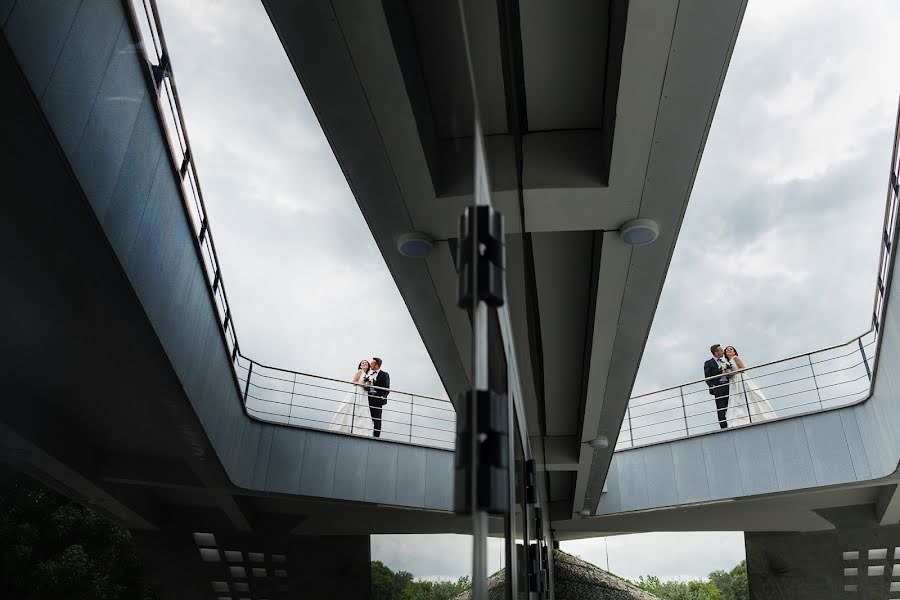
[(435, 590), (51, 547), (387, 585), (679, 590), (732, 584)]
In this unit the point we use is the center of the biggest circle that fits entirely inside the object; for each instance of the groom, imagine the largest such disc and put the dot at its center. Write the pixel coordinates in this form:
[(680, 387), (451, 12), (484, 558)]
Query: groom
[(378, 397), (717, 381)]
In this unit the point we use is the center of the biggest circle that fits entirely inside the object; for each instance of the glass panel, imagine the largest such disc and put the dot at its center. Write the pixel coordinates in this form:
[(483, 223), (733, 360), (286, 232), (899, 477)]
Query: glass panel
[(521, 513)]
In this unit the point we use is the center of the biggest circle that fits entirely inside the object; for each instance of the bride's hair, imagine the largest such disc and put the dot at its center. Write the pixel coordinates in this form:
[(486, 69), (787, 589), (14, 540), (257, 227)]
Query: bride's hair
[(360, 366), (733, 348)]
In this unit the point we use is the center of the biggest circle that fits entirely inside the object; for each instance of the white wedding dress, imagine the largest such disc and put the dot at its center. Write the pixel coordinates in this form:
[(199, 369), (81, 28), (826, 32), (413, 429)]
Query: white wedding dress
[(353, 414), (744, 395)]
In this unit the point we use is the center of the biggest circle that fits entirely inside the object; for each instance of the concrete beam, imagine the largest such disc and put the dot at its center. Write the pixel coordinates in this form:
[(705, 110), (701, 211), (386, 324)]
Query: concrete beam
[(149, 471), (144, 471), (560, 510), (556, 453), (828, 564), (29, 458), (887, 509)]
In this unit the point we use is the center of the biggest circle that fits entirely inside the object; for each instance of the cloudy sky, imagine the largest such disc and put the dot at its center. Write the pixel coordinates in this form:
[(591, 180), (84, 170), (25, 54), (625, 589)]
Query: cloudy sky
[(789, 198)]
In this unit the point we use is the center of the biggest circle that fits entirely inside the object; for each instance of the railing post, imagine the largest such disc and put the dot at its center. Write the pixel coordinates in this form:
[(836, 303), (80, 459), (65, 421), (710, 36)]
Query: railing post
[(161, 71), (185, 163), (630, 431), (815, 383), (865, 359), (293, 389), (746, 400), (412, 403), (352, 410), (247, 383), (687, 431)]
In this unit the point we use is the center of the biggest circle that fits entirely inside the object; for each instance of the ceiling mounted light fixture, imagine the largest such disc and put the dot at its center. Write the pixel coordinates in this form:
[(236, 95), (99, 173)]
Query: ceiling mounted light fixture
[(600, 442), (639, 232), (585, 513), (415, 244)]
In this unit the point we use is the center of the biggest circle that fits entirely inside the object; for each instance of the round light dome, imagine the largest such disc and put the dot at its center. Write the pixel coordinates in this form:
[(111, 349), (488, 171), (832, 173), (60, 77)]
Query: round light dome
[(600, 442), (415, 245), (639, 232)]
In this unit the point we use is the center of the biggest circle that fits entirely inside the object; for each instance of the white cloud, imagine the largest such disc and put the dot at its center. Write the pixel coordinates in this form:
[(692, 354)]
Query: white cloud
[(680, 556), (433, 557), (308, 286), (814, 87)]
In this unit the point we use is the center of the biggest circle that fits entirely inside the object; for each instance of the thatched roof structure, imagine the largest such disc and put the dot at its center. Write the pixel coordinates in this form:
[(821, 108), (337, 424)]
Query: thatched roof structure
[(575, 580)]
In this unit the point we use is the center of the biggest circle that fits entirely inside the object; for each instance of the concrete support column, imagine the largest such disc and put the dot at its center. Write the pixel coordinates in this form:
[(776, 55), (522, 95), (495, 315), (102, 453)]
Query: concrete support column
[(182, 564), (331, 567), (842, 563)]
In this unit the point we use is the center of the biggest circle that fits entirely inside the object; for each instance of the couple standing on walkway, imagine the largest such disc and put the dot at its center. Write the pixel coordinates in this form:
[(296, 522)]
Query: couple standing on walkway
[(739, 401), (360, 411)]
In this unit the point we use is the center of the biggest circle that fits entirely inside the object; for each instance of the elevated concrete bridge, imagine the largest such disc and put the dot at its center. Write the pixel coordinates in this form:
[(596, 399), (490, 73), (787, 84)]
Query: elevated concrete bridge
[(128, 391)]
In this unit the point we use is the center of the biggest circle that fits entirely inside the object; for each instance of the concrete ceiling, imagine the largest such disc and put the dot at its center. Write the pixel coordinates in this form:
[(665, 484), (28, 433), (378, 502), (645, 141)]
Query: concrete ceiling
[(861, 505), (594, 113)]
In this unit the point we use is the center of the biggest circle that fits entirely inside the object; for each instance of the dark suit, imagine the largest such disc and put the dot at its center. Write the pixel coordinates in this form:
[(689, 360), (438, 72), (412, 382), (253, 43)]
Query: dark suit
[(718, 387), (377, 399)]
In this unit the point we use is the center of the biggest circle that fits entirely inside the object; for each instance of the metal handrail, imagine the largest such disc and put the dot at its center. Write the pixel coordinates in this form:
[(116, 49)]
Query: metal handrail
[(313, 397), (713, 423), (163, 81), (308, 400), (816, 387), (692, 423), (343, 381), (768, 364), (705, 390), (818, 401)]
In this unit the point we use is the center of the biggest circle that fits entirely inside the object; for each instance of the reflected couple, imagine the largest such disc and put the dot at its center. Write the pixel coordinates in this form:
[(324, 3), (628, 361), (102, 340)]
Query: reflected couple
[(739, 401)]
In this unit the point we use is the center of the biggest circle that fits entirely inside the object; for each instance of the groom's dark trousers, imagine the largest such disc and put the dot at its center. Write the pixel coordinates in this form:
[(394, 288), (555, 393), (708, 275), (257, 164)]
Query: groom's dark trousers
[(718, 387), (377, 400)]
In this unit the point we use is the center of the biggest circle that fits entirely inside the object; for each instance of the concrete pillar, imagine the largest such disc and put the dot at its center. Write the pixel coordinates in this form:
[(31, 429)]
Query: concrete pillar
[(861, 563), (193, 565)]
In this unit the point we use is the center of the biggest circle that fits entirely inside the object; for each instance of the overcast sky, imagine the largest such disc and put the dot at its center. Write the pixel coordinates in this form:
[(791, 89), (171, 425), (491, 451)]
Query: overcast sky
[(789, 198)]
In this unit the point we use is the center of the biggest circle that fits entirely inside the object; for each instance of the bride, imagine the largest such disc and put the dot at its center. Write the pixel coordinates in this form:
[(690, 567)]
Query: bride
[(744, 394), (353, 415)]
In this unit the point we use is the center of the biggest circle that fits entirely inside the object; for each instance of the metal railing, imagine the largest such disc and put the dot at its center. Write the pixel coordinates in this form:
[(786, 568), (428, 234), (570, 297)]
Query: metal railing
[(149, 34), (811, 382), (312, 401), (805, 383)]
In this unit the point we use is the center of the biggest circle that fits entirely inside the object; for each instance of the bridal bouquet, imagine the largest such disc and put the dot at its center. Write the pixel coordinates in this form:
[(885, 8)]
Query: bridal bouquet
[(726, 366), (369, 378)]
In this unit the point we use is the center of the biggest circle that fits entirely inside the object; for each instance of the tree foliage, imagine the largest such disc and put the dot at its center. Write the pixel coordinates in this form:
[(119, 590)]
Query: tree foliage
[(680, 590), (722, 585), (387, 585), (732, 584), (51, 547)]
